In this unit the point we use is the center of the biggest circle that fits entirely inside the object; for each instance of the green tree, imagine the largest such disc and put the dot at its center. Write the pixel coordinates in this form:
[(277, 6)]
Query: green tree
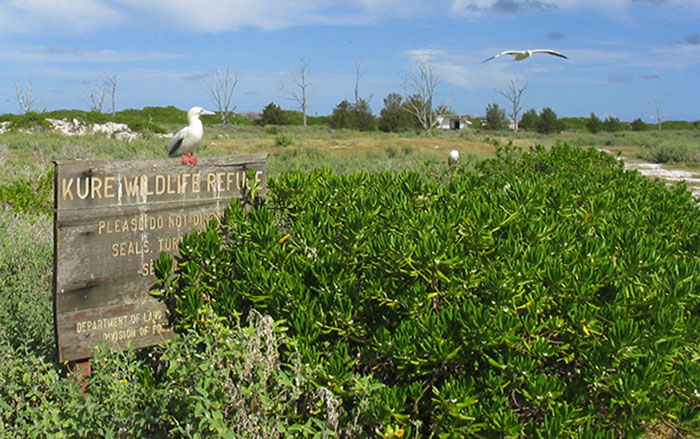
[(354, 116), (393, 117), (594, 123), (612, 124), (638, 125), (548, 122), (343, 116), (273, 115), (495, 117), (529, 120), (364, 119)]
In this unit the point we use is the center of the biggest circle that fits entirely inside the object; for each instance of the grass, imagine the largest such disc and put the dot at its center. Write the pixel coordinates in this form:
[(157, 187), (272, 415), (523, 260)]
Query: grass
[(27, 157)]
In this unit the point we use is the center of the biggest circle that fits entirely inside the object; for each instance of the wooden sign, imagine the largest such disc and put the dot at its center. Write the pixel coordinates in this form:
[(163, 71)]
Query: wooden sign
[(112, 219)]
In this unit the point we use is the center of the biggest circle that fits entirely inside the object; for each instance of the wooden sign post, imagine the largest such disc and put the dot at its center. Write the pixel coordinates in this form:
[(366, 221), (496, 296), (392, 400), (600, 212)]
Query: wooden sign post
[(112, 219)]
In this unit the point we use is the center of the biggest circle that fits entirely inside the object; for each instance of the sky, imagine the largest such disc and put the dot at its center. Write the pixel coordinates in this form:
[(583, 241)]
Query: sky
[(626, 58)]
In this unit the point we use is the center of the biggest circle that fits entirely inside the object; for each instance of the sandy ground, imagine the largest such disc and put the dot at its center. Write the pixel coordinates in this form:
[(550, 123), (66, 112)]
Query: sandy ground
[(655, 170)]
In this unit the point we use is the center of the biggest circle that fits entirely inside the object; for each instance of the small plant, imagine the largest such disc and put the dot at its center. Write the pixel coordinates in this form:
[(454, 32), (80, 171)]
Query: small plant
[(284, 139), (391, 151), (272, 130)]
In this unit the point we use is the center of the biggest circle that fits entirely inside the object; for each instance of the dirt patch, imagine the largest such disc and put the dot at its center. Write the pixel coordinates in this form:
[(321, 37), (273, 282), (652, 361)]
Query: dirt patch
[(670, 175)]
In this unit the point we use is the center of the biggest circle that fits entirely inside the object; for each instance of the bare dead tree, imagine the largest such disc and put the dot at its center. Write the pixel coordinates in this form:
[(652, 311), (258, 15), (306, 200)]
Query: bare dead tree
[(419, 92), (301, 93), (221, 90), (358, 76), (513, 93), (658, 113), (96, 99), (25, 97), (110, 81)]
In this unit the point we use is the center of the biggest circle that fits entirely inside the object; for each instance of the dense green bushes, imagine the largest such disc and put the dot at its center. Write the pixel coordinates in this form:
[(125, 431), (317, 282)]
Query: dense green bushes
[(546, 294), (550, 294)]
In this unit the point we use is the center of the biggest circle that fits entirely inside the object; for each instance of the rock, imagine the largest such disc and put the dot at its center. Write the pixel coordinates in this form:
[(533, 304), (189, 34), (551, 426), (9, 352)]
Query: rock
[(126, 136), (119, 131)]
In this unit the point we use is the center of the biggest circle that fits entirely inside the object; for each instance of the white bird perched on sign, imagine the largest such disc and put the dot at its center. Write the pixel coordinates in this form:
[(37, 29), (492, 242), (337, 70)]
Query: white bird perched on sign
[(453, 157), (519, 55), (187, 139)]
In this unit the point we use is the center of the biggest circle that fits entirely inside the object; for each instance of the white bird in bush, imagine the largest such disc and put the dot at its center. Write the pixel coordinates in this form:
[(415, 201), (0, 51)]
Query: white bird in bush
[(187, 139), (519, 55), (453, 157)]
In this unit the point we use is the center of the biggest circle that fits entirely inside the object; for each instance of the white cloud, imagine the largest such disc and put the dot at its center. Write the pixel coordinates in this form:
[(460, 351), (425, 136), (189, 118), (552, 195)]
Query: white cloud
[(459, 69), (66, 16), (75, 16), (226, 15)]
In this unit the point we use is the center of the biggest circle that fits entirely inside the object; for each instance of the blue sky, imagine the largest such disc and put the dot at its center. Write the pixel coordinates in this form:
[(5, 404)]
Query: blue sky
[(625, 56)]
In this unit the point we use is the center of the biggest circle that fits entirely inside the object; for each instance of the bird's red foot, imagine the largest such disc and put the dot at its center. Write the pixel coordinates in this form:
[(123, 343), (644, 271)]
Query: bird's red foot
[(191, 159)]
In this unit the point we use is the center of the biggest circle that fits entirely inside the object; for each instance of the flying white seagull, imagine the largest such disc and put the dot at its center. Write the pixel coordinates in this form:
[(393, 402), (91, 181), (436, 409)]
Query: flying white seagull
[(187, 139), (519, 55)]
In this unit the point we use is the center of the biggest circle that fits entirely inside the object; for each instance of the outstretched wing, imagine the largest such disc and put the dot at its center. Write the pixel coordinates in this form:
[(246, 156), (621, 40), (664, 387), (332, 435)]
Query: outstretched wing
[(551, 52), (507, 52)]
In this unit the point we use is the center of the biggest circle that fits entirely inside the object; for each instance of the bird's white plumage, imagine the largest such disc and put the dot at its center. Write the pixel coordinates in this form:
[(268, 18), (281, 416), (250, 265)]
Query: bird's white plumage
[(453, 157), (519, 55), (187, 139)]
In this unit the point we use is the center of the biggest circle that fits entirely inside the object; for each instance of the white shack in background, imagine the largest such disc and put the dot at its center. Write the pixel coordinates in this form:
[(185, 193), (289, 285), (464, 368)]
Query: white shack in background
[(453, 122)]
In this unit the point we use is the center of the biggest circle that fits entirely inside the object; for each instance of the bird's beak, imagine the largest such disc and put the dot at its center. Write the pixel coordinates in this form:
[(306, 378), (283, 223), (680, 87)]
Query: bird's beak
[(207, 113)]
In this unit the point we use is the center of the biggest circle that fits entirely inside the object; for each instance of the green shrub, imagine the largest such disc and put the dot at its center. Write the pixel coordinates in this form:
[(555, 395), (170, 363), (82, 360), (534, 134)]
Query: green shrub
[(530, 120), (594, 124), (297, 118), (496, 118), (671, 151), (550, 294), (272, 129), (155, 115), (26, 265), (29, 195), (147, 120), (638, 125), (26, 121), (391, 151), (217, 382), (612, 124), (548, 122), (356, 116), (273, 115), (284, 139)]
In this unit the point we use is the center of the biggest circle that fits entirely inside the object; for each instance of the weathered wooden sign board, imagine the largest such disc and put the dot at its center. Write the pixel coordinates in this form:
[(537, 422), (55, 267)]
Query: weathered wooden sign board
[(112, 219)]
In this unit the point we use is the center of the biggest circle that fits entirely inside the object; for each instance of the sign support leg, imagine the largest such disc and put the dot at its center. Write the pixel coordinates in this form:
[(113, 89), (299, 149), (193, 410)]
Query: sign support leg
[(81, 371)]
